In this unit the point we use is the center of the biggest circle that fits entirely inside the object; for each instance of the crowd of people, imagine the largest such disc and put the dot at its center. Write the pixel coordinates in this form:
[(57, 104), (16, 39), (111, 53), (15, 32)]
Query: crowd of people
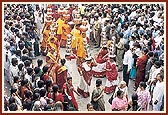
[(131, 42)]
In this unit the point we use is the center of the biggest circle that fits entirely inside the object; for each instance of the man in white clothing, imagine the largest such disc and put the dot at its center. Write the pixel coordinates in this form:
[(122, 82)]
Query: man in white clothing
[(13, 70), (68, 64), (7, 61), (127, 63), (158, 93)]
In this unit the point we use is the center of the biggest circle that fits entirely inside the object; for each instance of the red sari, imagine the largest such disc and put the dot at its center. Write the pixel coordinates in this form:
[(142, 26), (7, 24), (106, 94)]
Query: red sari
[(87, 75), (100, 59), (140, 65), (61, 76), (58, 97), (111, 72), (70, 90), (85, 80), (111, 75)]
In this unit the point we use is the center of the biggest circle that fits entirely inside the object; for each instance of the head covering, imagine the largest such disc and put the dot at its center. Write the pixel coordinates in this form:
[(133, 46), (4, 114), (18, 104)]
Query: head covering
[(48, 16), (122, 82), (107, 19)]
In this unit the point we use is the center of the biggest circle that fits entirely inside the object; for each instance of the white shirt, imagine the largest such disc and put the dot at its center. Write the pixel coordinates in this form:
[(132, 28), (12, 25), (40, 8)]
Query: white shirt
[(158, 91), (88, 31), (14, 70), (141, 20), (28, 77), (91, 20), (128, 59), (154, 74), (8, 61), (18, 101), (68, 64), (132, 29), (151, 72), (6, 32), (36, 15), (133, 14), (131, 44), (158, 39)]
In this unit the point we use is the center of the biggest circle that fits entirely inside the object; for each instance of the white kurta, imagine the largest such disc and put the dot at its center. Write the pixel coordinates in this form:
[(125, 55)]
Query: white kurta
[(68, 64), (158, 93), (13, 72), (154, 74)]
